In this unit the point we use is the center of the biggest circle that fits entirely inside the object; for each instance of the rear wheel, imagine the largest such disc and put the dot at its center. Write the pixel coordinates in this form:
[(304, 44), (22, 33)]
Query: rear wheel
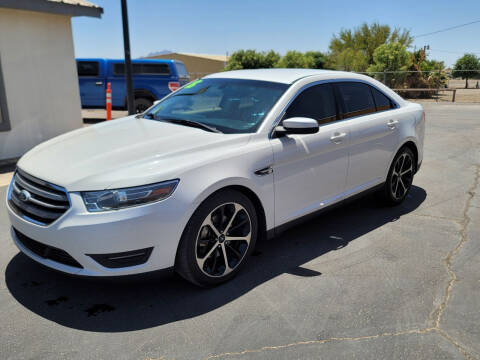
[(218, 239), (142, 104), (400, 177)]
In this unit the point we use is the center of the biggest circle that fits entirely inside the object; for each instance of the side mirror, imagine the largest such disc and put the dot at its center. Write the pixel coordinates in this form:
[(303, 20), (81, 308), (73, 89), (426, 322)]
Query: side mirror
[(297, 125)]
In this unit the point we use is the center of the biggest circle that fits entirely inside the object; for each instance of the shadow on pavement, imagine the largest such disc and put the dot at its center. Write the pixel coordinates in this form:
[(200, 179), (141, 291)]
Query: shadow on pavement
[(152, 300)]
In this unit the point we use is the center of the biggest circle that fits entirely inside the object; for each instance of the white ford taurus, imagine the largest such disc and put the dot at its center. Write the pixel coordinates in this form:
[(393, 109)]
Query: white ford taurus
[(194, 181)]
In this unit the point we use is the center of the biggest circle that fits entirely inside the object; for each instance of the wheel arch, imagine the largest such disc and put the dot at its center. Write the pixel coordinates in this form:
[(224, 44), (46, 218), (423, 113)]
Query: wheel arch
[(253, 197), (242, 186), (412, 146)]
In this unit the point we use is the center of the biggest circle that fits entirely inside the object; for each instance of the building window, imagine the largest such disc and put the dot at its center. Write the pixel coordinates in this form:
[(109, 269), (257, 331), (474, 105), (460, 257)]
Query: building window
[(4, 121)]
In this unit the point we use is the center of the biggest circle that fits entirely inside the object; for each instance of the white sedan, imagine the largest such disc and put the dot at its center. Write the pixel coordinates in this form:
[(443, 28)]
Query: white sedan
[(197, 179)]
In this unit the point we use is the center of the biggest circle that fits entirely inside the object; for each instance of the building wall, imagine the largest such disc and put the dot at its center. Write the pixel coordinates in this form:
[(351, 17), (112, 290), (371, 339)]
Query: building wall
[(40, 79), (196, 66)]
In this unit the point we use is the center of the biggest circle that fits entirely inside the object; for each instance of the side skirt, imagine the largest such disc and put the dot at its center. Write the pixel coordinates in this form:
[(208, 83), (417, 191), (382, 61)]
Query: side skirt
[(272, 233)]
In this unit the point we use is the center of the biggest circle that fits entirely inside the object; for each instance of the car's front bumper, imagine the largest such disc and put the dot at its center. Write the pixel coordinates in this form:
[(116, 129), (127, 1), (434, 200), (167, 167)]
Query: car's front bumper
[(80, 233)]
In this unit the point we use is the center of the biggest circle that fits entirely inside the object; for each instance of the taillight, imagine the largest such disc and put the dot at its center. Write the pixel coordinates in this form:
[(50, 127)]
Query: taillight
[(173, 85)]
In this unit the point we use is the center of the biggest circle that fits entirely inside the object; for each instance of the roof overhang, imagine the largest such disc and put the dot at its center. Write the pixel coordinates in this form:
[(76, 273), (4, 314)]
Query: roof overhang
[(53, 7)]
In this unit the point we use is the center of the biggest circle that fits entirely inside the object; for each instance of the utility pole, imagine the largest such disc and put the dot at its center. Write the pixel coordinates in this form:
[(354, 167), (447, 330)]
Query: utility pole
[(128, 60), (425, 48)]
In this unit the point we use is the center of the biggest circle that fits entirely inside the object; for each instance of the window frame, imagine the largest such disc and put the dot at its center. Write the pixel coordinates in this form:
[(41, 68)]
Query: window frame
[(338, 112), (392, 104), (280, 116), (89, 76), (343, 105), (4, 118), (141, 64)]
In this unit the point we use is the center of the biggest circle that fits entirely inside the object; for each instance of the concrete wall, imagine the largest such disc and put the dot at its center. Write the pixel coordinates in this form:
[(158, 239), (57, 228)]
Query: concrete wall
[(40, 79)]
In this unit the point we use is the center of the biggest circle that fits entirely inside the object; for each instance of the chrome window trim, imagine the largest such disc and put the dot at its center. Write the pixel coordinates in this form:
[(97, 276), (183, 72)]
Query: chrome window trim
[(328, 81)]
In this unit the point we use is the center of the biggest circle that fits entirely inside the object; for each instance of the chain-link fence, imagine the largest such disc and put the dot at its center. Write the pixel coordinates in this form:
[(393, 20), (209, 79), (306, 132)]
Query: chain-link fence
[(431, 85)]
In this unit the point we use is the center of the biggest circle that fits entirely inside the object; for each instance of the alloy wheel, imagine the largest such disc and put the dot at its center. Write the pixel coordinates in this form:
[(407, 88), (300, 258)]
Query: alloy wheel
[(402, 176), (223, 239)]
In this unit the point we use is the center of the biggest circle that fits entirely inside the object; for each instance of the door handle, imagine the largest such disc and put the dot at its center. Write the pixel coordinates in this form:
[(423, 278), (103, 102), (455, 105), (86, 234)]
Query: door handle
[(392, 124), (99, 83), (337, 137)]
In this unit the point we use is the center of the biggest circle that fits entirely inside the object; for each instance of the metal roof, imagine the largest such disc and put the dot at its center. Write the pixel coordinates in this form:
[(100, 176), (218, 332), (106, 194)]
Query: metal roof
[(222, 58), (61, 7)]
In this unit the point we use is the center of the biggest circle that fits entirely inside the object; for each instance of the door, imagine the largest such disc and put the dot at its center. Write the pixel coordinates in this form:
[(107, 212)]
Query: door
[(310, 170), (373, 134), (92, 85)]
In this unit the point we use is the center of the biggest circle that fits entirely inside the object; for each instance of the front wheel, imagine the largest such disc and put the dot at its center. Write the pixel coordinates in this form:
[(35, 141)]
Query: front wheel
[(400, 177), (218, 239)]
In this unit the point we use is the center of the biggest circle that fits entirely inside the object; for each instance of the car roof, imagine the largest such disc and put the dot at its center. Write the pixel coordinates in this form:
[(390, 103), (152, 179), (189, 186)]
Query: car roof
[(289, 76), (134, 61), (286, 76)]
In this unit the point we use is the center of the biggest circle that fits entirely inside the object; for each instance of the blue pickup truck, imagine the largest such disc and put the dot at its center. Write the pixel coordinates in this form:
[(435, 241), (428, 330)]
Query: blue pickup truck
[(152, 80)]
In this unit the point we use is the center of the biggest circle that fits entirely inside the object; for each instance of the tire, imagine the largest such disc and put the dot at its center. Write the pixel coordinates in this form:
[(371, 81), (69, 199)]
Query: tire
[(397, 187), (205, 242), (142, 104)]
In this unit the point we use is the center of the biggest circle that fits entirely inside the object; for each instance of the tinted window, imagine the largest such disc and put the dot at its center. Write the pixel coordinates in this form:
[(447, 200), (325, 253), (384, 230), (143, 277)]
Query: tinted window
[(87, 68), (316, 102), (381, 101), (357, 99), (143, 69), (182, 71)]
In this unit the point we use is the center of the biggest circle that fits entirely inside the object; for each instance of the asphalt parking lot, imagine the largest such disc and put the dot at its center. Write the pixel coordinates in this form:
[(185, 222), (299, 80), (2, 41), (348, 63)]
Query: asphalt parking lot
[(362, 281)]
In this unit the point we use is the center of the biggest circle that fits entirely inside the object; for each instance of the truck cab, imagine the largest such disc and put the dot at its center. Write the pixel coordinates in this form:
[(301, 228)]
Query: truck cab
[(152, 80)]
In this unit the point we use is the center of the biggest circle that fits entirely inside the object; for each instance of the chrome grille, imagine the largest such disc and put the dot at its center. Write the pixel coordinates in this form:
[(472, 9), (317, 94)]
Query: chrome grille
[(36, 200)]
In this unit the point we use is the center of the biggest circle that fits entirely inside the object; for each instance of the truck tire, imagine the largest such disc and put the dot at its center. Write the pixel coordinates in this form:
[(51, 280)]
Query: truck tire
[(142, 104)]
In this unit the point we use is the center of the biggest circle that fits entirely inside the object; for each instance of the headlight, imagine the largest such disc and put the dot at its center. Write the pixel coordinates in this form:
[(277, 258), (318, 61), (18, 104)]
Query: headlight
[(121, 198)]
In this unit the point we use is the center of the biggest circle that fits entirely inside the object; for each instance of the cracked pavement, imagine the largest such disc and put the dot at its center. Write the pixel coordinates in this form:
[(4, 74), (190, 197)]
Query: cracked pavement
[(361, 281)]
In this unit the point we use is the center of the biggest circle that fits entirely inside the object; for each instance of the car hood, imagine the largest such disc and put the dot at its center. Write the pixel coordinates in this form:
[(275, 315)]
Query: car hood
[(125, 152)]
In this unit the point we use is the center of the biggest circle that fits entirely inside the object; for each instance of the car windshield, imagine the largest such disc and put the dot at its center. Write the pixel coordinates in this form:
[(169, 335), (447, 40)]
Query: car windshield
[(230, 106)]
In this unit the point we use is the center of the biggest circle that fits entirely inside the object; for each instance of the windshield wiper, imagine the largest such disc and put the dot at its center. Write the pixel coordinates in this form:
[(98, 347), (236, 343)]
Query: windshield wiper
[(145, 116), (191, 123)]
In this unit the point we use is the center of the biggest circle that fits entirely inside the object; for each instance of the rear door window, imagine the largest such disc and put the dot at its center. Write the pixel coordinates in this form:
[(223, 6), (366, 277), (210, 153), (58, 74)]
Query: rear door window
[(142, 69), (181, 70), (357, 99), (382, 102), (87, 68), (316, 102)]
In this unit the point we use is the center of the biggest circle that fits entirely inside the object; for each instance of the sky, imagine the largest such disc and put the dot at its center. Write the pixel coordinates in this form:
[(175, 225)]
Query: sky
[(221, 27)]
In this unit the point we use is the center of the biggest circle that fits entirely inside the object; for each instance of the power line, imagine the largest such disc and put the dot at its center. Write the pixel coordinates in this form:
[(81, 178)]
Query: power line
[(447, 29)]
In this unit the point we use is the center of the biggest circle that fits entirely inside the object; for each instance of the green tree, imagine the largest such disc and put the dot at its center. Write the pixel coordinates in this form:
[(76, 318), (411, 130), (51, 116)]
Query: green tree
[(350, 60), (465, 63), (364, 40), (319, 59), (251, 59), (391, 57), (295, 59), (424, 73)]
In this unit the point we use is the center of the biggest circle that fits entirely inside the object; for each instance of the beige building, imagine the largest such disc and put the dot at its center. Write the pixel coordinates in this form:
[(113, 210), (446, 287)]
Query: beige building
[(197, 65), (39, 95)]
